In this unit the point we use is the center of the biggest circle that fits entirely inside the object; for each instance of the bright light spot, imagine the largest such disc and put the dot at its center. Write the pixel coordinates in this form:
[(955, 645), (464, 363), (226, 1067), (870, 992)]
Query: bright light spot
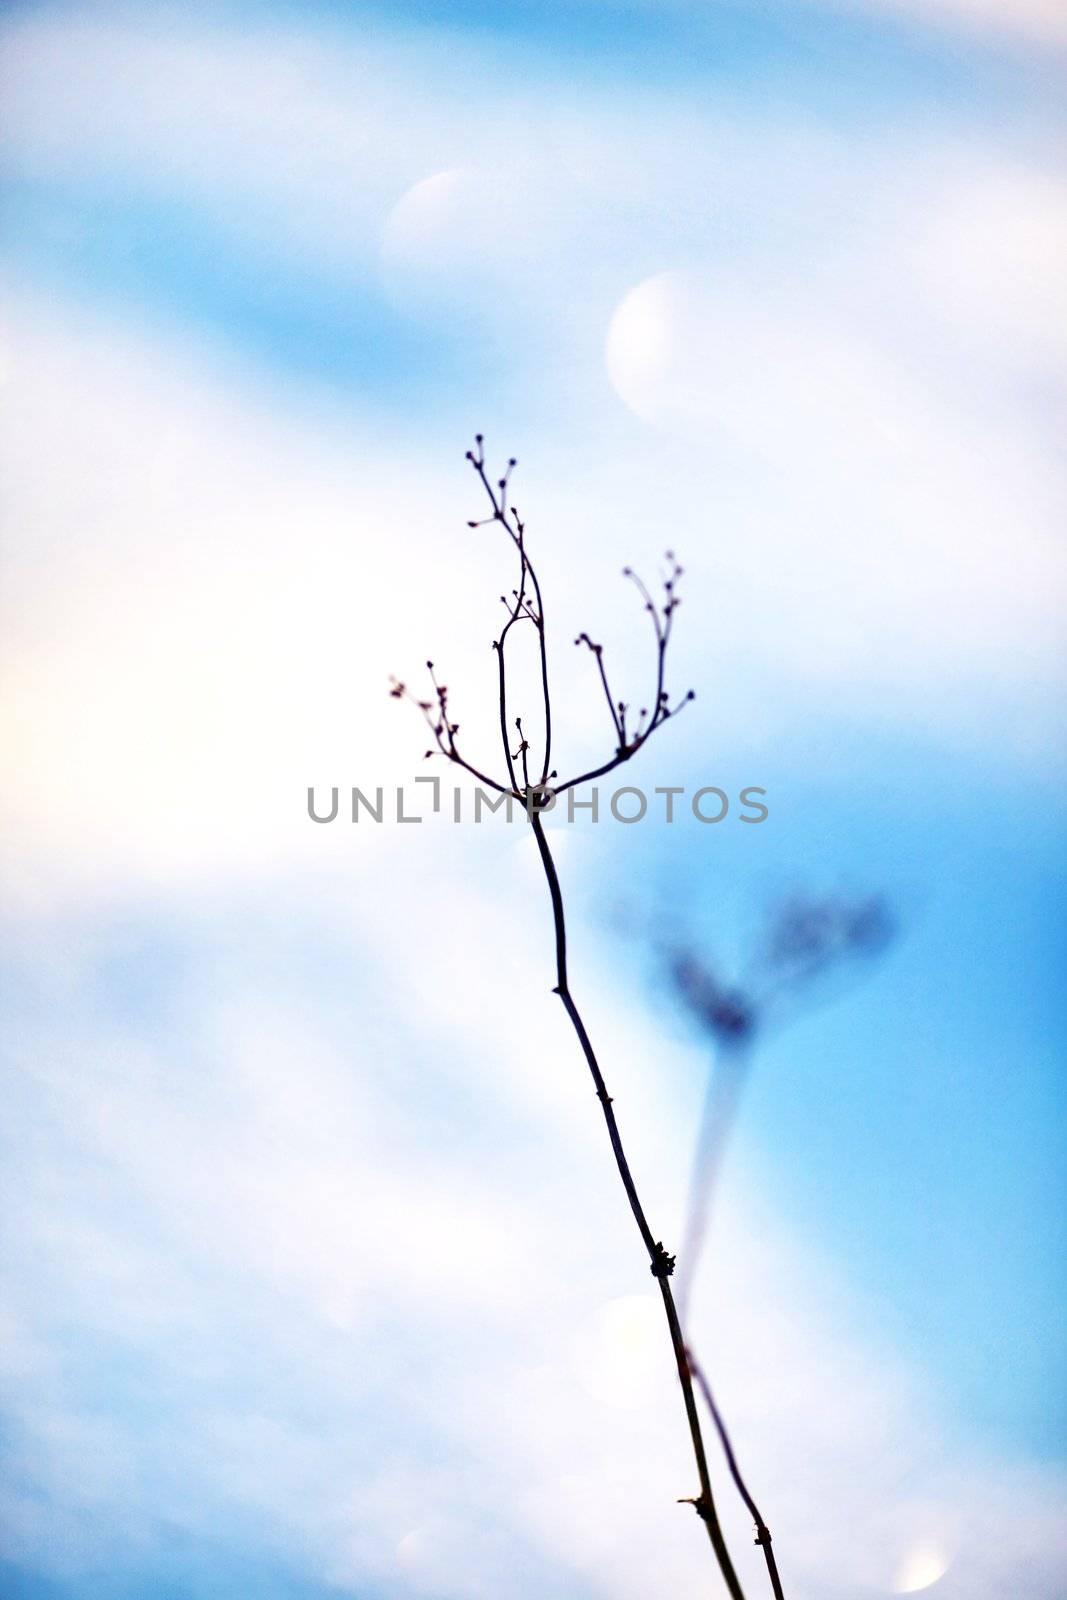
[(459, 238), (920, 1569), (620, 1351), (422, 237), (693, 353), (411, 1551), (640, 341)]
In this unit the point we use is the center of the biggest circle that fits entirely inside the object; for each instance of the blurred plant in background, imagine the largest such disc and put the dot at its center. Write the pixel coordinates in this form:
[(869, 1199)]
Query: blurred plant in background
[(808, 942)]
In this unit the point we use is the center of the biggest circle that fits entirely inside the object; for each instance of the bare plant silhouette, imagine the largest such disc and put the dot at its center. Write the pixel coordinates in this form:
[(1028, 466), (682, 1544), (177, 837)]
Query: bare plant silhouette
[(525, 607)]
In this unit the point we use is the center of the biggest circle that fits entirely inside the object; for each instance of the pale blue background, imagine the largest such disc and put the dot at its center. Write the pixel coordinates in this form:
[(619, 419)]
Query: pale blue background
[(238, 502)]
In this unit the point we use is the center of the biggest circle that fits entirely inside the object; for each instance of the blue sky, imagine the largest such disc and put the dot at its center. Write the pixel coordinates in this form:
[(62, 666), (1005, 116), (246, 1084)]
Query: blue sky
[(295, 1127)]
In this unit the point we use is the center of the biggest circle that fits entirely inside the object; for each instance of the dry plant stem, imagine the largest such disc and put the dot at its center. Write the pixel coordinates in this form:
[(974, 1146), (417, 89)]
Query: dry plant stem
[(525, 605), (763, 1533), (660, 1262)]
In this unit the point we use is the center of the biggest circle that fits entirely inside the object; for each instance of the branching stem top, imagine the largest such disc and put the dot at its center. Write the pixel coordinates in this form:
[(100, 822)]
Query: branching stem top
[(525, 605)]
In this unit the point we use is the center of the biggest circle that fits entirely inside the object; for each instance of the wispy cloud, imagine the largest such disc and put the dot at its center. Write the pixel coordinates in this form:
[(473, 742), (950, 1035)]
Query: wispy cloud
[(271, 1284)]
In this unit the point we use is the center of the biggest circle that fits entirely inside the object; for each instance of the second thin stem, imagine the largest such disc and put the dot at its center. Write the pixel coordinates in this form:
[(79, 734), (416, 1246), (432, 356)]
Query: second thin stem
[(661, 1263)]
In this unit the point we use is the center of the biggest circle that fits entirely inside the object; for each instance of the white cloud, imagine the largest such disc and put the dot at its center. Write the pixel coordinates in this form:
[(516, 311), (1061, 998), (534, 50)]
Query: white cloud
[(995, 254), (905, 506), (200, 602), (196, 622), (393, 1340), (851, 457)]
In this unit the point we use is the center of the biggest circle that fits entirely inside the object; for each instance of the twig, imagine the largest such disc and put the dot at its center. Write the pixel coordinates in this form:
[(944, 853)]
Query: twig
[(763, 1533), (521, 607)]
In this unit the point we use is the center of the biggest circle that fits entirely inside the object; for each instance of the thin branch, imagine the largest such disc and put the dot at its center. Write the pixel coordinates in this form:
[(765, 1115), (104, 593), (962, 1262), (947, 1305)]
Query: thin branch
[(631, 750), (598, 653), (443, 732), (763, 1533), (500, 514)]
